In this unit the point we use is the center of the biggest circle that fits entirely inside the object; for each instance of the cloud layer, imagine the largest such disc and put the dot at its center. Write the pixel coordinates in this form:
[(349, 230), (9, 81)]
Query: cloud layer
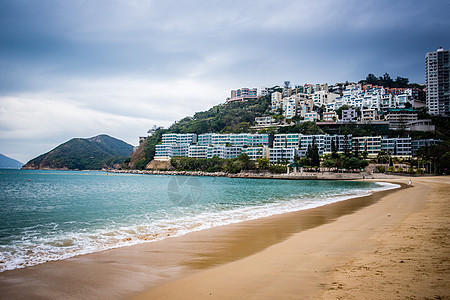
[(80, 68)]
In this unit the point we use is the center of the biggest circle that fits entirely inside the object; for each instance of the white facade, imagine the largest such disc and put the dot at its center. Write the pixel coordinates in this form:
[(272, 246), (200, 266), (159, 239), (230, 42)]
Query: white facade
[(287, 140), (179, 138), (437, 72), (371, 144), (369, 114), (256, 152), (280, 154), (396, 146), (276, 101)]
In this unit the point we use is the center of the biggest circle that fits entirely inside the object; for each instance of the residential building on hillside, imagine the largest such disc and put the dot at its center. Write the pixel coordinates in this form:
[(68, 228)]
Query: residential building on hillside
[(264, 91), (340, 142), (257, 152), (179, 138), (235, 139), (228, 146), (198, 151), (330, 116), (437, 72), (417, 144), (276, 102), (369, 114), (323, 98), (349, 115), (243, 94), (280, 154), (311, 116), (287, 140), (224, 152), (265, 121), (399, 118), (307, 140), (396, 146), (167, 151), (371, 144), (420, 125), (289, 107)]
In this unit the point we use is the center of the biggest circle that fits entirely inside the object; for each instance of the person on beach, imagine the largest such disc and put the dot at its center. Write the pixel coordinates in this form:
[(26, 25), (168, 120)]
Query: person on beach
[(410, 183)]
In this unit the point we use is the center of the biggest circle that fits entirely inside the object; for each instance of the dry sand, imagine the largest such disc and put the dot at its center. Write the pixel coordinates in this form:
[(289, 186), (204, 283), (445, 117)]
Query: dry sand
[(390, 245)]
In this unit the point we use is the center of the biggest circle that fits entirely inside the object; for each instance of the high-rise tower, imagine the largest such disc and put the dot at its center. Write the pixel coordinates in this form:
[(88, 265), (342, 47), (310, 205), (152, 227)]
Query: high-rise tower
[(437, 81)]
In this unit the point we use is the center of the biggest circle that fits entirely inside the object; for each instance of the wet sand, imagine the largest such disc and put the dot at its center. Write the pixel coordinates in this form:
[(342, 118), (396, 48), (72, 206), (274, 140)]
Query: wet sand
[(294, 255)]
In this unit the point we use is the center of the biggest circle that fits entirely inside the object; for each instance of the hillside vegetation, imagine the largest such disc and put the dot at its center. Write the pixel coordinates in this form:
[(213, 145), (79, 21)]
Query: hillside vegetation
[(83, 154), (234, 117)]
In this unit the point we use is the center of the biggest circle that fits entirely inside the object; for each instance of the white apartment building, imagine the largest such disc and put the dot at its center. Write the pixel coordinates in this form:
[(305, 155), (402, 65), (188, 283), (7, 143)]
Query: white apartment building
[(167, 151), (399, 118), (417, 144), (276, 101), (179, 138), (223, 151), (369, 114), (323, 97), (330, 116), (396, 146), (256, 152), (265, 121), (279, 154), (371, 144), (349, 115), (307, 140), (198, 151), (311, 116), (287, 140), (437, 72), (289, 107), (339, 142)]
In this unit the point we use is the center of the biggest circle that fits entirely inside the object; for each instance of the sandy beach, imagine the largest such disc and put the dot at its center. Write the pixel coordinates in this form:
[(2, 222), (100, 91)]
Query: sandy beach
[(391, 245)]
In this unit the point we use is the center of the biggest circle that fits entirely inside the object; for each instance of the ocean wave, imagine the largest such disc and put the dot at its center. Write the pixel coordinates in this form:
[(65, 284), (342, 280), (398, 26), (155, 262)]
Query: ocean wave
[(34, 249)]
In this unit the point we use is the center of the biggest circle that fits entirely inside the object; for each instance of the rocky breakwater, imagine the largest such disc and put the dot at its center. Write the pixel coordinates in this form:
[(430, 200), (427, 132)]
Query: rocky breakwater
[(182, 173)]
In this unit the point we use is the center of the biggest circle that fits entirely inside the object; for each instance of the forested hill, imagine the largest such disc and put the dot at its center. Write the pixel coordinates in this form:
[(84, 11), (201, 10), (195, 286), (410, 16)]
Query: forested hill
[(234, 117), (83, 154)]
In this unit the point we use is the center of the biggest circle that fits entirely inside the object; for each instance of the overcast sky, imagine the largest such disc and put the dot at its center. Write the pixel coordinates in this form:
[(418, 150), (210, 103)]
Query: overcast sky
[(80, 68)]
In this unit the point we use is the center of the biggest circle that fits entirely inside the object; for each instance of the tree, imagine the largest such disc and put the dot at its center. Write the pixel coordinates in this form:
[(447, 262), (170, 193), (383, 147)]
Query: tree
[(263, 163), (346, 146), (356, 149), (371, 79), (333, 148), (312, 153)]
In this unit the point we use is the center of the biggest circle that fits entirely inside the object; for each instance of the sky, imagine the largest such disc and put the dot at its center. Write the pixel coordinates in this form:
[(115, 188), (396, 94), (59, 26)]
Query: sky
[(80, 68)]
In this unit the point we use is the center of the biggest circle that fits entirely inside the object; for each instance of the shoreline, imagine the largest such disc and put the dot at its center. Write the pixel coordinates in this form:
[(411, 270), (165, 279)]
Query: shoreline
[(151, 267), (319, 263), (227, 218)]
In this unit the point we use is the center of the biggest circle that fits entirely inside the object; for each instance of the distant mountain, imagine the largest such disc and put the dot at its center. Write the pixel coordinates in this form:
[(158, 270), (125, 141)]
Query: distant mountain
[(9, 163), (83, 154)]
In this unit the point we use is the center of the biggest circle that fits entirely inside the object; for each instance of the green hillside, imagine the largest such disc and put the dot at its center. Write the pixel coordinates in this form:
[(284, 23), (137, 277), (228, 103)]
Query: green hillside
[(83, 154), (233, 117)]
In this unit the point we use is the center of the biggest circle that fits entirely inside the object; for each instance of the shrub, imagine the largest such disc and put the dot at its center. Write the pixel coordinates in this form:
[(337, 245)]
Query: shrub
[(381, 169)]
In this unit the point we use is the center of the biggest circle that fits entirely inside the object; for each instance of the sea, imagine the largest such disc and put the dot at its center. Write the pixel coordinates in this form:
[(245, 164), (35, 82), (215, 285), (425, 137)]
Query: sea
[(54, 215)]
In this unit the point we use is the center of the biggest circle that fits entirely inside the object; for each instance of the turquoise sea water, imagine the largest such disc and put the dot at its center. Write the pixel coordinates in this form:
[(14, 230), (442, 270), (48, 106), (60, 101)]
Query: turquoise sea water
[(51, 215)]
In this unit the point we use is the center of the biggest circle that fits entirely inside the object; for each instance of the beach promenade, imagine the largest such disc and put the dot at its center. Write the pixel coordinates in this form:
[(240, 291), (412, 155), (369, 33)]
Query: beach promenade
[(391, 245)]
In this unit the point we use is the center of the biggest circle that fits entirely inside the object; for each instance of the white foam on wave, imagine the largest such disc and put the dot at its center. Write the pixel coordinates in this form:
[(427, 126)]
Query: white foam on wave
[(33, 250)]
